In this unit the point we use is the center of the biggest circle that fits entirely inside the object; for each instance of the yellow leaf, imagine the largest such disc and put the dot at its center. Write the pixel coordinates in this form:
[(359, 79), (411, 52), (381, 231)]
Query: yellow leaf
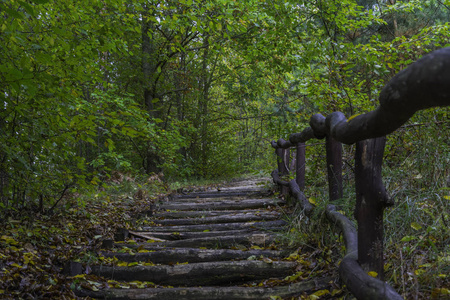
[(419, 272), (335, 292), (437, 293), (122, 264), (415, 225), (312, 200), (9, 240), (294, 277), (293, 256), (447, 197), (321, 293), (373, 274), (256, 248)]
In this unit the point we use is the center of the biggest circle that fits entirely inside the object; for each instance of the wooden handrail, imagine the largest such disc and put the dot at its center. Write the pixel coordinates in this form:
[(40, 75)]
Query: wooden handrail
[(422, 85)]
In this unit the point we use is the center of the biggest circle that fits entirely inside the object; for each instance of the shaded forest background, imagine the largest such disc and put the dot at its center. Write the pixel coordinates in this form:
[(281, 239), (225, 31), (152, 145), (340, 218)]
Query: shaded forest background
[(196, 88)]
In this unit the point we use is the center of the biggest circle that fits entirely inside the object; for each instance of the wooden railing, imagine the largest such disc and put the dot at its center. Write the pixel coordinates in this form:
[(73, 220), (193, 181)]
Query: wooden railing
[(424, 84)]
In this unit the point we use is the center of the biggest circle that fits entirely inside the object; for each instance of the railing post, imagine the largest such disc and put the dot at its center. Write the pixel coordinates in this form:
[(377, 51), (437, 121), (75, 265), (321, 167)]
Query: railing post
[(282, 161), (371, 199), (334, 167), (300, 166), (279, 153), (284, 169)]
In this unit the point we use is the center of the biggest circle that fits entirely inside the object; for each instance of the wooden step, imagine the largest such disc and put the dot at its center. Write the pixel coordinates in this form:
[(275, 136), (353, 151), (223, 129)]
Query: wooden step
[(213, 292), (199, 274)]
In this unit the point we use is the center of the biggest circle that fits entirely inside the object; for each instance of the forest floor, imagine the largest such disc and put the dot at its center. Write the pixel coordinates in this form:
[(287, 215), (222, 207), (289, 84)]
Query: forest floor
[(40, 253), (51, 255)]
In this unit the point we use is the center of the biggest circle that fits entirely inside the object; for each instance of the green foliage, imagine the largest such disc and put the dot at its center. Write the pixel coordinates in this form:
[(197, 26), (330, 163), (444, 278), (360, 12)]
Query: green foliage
[(185, 88)]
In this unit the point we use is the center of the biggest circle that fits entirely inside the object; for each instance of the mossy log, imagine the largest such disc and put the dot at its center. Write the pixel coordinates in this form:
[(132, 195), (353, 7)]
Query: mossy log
[(173, 236), (171, 214), (221, 205), (211, 293), (236, 217), (193, 255), (260, 239), (263, 225), (198, 274)]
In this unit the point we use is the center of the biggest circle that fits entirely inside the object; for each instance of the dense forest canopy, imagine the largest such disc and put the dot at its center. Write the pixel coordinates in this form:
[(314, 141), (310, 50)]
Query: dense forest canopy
[(186, 88)]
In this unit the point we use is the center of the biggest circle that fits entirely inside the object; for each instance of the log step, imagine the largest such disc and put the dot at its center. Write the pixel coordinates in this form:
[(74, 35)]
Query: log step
[(174, 236), (221, 205), (199, 274), (173, 214), (224, 242), (212, 293), (193, 255), (218, 194), (232, 218), (263, 225), (206, 245)]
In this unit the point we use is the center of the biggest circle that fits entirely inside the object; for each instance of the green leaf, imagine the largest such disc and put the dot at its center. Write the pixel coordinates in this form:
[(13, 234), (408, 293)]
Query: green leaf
[(408, 238), (27, 8)]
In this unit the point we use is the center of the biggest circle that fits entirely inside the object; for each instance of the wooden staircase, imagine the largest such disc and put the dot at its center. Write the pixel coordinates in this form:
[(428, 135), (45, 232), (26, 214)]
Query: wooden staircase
[(206, 245)]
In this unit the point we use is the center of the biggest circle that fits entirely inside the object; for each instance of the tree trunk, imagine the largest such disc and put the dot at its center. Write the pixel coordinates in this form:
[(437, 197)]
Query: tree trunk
[(149, 72)]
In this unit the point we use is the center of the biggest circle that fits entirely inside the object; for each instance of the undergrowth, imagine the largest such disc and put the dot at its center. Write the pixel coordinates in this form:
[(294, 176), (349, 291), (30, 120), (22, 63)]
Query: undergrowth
[(417, 234)]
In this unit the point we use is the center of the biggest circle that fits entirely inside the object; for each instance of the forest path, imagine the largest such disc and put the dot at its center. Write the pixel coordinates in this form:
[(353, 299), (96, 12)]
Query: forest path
[(220, 244)]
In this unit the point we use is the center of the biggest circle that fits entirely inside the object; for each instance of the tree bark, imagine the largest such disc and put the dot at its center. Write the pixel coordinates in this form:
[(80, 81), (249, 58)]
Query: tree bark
[(149, 68)]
